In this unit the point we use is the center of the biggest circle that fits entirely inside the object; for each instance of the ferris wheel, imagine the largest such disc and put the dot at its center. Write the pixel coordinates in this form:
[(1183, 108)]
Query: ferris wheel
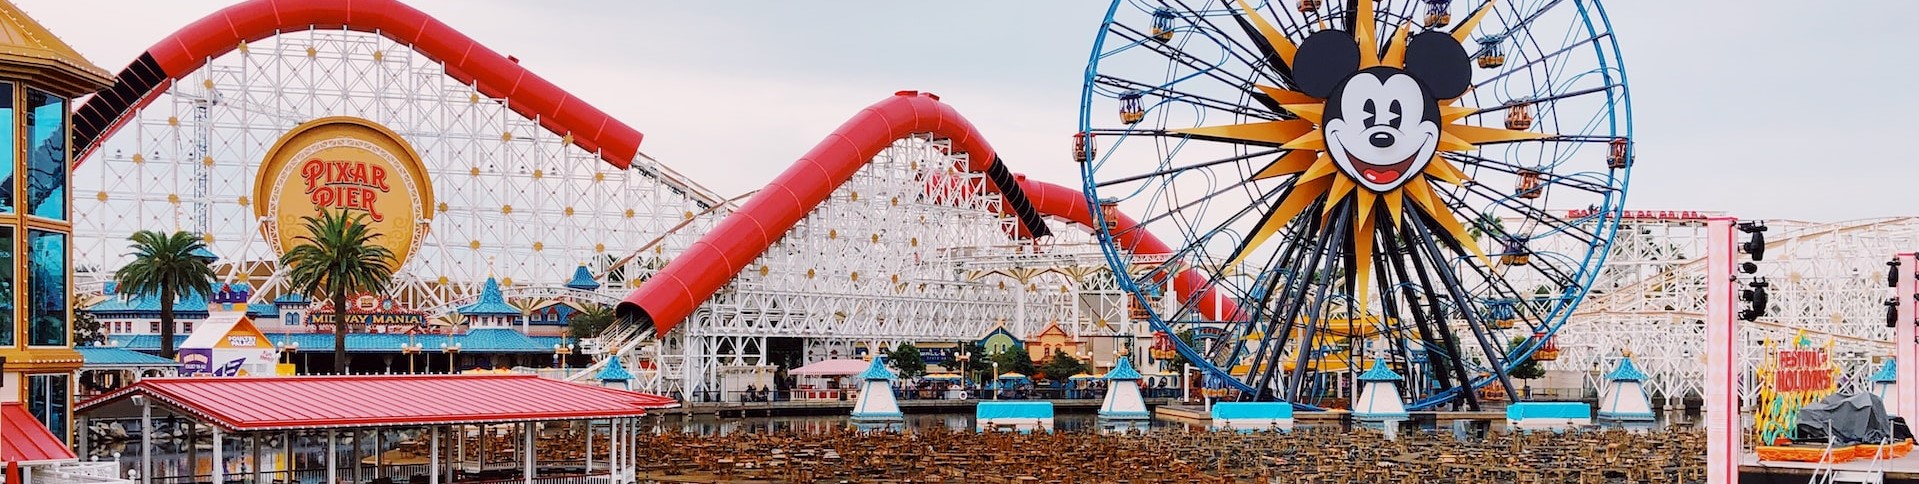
[(1426, 184)]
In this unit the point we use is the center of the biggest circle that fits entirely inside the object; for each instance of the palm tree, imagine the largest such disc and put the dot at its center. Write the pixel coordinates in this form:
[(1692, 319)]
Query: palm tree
[(167, 266), (590, 321), (337, 257), (1487, 224)]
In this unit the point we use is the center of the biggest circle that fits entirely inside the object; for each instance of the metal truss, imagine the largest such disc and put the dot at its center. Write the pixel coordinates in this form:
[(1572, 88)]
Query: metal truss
[(516, 200), (1827, 279)]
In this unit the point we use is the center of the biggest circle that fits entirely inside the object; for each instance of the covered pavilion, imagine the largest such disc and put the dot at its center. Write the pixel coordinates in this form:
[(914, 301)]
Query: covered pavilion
[(108, 368), (446, 426)]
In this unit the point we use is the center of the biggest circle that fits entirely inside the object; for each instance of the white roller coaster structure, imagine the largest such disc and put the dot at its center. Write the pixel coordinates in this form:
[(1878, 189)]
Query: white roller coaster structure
[(1827, 279)]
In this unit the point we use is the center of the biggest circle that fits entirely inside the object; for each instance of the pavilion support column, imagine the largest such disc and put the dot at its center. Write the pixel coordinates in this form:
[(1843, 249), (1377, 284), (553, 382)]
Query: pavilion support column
[(526, 451), (589, 447), (83, 432), (332, 456), (459, 453), (286, 454), (192, 442), (617, 464), (354, 455), (219, 456), (253, 459), (146, 441), (379, 458), (433, 456)]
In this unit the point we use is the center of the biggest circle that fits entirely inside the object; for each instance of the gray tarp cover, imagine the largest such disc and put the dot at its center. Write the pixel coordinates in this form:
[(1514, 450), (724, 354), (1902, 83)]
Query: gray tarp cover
[(1849, 418)]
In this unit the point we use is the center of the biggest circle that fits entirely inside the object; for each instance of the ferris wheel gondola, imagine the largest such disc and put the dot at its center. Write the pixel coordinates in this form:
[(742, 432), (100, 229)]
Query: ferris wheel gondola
[(1360, 180)]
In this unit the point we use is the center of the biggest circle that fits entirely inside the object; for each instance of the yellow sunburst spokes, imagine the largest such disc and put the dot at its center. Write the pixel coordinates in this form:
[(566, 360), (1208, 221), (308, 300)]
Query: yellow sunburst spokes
[(1318, 177)]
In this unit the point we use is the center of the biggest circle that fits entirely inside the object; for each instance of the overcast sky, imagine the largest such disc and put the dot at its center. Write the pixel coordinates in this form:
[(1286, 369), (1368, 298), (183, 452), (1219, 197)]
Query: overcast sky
[(1767, 109)]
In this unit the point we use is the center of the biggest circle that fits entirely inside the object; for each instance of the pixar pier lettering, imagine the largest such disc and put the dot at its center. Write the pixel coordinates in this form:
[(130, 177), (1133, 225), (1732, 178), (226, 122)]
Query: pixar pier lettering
[(352, 185)]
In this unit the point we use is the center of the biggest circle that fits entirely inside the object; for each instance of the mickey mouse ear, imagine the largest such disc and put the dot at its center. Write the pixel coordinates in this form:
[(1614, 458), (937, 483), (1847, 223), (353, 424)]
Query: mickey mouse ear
[(1324, 59), (1437, 59)]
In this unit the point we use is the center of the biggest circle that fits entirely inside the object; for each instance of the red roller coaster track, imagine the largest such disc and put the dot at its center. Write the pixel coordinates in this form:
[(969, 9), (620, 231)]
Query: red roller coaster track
[(494, 75), (690, 279)]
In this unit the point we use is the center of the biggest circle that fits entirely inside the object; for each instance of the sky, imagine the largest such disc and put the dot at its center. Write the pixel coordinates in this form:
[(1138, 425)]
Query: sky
[(1765, 109)]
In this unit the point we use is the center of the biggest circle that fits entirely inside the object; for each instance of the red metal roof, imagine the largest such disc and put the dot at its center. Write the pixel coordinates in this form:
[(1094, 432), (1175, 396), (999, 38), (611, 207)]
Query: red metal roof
[(272, 403), (24, 440)]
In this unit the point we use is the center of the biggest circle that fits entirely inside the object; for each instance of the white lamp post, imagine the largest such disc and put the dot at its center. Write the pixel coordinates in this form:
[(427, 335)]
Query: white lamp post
[(963, 356), (452, 357), (560, 352), (288, 348), (411, 349), (995, 380)]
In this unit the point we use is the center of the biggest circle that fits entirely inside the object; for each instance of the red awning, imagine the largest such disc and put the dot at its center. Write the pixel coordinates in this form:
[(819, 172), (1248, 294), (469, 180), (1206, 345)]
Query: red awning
[(275, 403), (24, 440)]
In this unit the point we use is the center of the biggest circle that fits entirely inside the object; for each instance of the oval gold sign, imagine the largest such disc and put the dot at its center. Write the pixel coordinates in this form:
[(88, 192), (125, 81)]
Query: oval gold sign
[(344, 163)]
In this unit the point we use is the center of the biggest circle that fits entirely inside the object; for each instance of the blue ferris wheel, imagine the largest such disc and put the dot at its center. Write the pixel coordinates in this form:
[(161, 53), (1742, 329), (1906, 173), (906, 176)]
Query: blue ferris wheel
[(1431, 185)]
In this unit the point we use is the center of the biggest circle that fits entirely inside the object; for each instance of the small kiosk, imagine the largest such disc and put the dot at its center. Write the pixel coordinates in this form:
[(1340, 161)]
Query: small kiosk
[(1252, 416), (1023, 417), (1123, 408), (1555, 416), (877, 409), (228, 344), (1379, 403), (1625, 397)]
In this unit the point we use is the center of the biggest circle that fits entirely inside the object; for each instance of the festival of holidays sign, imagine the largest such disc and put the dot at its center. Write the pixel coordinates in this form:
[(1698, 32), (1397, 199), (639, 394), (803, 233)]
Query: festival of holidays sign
[(1791, 376), (344, 163)]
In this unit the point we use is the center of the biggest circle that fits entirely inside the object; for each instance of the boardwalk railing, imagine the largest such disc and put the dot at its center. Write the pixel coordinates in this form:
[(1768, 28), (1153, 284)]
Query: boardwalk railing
[(397, 474)]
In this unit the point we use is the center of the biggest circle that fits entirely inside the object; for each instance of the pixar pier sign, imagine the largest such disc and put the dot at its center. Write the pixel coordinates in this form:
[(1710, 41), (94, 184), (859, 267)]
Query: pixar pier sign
[(346, 184), (344, 163)]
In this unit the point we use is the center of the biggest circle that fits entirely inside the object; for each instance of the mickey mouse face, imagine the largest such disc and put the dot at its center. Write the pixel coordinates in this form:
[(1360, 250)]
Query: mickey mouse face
[(1381, 128), (1381, 123)]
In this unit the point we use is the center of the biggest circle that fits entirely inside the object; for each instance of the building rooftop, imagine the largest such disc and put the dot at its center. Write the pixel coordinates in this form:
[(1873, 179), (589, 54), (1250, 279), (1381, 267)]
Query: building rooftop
[(309, 402), (878, 371), (113, 356), (1626, 372), (486, 340), (614, 371), (24, 441), (191, 306), (1380, 372), (491, 302), (25, 42), (1122, 370), (582, 280)]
